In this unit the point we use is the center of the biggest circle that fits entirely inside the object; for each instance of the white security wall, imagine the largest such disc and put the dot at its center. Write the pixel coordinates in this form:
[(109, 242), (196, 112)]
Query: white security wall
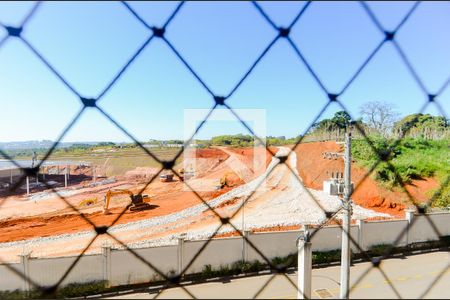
[(128, 269), (384, 232), (49, 271), (125, 268), (330, 238), (218, 252), (421, 229), (9, 280), (442, 222), (272, 244)]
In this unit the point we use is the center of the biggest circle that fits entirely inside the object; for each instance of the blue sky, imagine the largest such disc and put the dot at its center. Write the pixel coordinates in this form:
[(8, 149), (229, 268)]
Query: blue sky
[(88, 43)]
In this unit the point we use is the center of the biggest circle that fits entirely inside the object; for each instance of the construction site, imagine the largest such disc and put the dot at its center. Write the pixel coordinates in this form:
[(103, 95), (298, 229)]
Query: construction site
[(47, 222)]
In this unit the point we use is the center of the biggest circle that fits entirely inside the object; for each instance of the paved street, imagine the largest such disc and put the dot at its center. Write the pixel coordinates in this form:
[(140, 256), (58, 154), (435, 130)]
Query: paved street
[(409, 276)]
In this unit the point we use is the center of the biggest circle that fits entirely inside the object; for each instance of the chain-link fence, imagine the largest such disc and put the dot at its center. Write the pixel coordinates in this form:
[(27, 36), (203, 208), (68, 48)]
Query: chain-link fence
[(159, 35)]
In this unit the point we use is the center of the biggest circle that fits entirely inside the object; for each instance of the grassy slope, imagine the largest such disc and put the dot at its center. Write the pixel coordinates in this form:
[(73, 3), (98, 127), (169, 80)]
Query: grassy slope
[(411, 158)]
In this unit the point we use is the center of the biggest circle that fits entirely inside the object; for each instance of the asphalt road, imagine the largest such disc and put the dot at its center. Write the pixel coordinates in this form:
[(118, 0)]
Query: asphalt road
[(410, 277)]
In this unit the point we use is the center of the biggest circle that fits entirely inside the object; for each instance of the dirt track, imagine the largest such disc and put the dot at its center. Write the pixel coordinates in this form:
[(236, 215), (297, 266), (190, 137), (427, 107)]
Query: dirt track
[(166, 198)]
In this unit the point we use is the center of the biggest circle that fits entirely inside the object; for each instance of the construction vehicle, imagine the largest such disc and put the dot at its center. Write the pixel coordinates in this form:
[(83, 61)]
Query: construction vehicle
[(88, 202), (181, 173), (166, 177), (137, 201), (186, 174)]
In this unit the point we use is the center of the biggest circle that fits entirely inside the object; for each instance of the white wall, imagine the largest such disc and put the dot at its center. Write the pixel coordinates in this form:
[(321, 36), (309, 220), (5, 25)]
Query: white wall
[(442, 222), (422, 230), (217, 252), (384, 232), (125, 268), (272, 244), (9, 280), (128, 269), (49, 271), (329, 238)]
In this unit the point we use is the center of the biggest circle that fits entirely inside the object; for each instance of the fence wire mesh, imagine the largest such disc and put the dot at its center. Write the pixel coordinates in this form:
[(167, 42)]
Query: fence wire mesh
[(159, 35)]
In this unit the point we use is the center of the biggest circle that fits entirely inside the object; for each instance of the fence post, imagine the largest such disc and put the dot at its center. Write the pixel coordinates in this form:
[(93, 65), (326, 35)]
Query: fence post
[(65, 178), (106, 255), (28, 186), (304, 265), (180, 252), (245, 245), (361, 223), (25, 261), (409, 216)]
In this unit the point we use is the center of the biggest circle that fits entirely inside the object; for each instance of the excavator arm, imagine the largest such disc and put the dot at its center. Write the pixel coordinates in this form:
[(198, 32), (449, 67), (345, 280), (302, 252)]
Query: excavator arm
[(137, 202), (108, 196)]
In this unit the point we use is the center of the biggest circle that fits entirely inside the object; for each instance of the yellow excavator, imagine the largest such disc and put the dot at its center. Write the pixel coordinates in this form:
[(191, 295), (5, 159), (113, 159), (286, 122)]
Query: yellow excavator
[(186, 174), (137, 201)]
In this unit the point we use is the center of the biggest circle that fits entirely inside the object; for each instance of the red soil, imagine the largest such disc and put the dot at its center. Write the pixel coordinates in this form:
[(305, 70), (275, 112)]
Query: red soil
[(210, 153), (314, 169), (166, 198), (39, 226), (247, 154), (169, 197), (417, 188)]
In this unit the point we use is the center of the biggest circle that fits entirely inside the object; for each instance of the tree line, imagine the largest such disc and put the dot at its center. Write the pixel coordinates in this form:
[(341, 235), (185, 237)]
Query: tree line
[(380, 119)]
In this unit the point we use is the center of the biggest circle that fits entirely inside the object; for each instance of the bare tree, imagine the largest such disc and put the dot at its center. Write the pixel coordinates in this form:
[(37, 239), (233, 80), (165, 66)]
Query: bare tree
[(380, 116)]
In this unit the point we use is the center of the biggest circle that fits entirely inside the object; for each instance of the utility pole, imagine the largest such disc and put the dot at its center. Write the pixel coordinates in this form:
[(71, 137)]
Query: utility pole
[(346, 218), (243, 233), (304, 264)]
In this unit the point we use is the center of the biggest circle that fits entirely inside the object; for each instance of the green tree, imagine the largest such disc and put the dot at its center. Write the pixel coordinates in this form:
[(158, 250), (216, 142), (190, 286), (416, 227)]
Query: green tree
[(422, 125)]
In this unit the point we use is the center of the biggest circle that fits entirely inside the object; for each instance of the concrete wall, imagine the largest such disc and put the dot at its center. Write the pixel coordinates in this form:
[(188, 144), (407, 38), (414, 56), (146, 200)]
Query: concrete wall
[(121, 267), (442, 222), (126, 268), (272, 244), (9, 280), (329, 238), (422, 229), (47, 272), (217, 252), (381, 232)]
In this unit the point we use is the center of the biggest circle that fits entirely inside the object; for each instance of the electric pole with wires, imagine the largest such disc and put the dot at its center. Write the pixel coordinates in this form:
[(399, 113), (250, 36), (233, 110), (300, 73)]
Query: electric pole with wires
[(346, 219)]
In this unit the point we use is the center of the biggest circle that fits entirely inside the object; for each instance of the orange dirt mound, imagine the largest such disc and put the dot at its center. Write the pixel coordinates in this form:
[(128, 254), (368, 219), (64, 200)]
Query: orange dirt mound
[(314, 169), (211, 153), (248, 153), (233, 180), (418, 186)]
